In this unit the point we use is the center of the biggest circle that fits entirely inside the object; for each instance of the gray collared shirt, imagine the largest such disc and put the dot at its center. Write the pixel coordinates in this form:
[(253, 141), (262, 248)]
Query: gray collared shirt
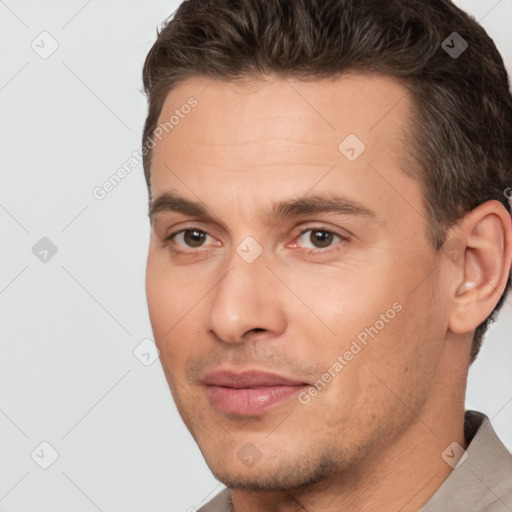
[(480, 483)]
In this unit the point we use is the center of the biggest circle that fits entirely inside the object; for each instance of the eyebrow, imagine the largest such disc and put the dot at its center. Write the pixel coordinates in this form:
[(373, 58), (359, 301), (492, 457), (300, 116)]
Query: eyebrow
[(307, 205), (325, 203), (170, 202)]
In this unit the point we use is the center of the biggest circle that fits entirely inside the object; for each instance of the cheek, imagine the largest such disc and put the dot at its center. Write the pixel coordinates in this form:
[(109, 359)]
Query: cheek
[(403, 358), (171, 294), (392, 337), (342, 303), (169, 306), (159, 296)]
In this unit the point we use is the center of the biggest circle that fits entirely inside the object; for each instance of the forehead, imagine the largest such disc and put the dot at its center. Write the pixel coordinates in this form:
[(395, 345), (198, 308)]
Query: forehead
[(270, 135), (255, 112)]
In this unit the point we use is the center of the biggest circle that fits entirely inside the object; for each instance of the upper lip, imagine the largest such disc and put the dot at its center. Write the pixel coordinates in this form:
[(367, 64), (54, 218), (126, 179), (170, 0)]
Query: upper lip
[(248, 379)]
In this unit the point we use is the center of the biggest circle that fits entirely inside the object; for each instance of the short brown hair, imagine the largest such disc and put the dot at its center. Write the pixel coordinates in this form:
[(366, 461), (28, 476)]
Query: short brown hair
[(462, 127)]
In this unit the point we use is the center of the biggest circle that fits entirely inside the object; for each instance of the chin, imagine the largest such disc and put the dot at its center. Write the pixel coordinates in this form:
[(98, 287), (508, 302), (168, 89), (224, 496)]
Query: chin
[(279, 474)]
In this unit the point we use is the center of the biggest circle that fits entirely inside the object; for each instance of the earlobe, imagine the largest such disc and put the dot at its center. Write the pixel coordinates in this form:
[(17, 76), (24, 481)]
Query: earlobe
[(487, 234)]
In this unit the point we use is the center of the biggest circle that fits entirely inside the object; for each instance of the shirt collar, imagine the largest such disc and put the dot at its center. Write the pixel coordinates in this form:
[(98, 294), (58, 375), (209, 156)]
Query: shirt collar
[(483, 479)]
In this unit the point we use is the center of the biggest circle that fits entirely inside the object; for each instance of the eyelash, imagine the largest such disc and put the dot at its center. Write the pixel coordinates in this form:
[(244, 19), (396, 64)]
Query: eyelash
[(167, 242), (319, 250)]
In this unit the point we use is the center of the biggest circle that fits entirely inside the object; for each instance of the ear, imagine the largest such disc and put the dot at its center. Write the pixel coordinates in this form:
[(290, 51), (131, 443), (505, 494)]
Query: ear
[(485, 236)]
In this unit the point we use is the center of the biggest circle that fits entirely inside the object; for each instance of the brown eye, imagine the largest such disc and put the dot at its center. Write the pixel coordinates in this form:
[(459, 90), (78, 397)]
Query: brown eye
[(190, 238), (320, 238), (194, 237)]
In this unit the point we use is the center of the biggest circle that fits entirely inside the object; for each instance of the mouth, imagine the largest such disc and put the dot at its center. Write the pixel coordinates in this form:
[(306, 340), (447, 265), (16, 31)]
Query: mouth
[(251, 392)]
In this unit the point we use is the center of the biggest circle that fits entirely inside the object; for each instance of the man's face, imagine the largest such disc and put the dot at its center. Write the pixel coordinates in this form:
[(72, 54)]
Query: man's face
[(298, 307)]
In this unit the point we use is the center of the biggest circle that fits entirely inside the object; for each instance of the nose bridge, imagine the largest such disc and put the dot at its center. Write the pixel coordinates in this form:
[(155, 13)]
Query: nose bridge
[(242, 300)]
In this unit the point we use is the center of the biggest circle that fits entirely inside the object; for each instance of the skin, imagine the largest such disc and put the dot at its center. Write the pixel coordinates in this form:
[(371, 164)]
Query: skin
[(373, 438)]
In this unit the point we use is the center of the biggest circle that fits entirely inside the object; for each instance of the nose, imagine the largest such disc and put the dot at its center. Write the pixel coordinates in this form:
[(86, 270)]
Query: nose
[(245, 301)]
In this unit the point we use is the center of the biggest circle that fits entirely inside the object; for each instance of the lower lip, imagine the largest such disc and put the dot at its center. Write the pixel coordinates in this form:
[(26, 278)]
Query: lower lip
[(250, 401)]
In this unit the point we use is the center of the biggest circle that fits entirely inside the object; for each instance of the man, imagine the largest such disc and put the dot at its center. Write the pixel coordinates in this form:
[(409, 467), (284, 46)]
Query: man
[(331, 237)]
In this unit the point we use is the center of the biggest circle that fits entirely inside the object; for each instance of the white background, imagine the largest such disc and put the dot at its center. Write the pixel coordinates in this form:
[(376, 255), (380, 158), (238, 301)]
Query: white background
[(68, 327)]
